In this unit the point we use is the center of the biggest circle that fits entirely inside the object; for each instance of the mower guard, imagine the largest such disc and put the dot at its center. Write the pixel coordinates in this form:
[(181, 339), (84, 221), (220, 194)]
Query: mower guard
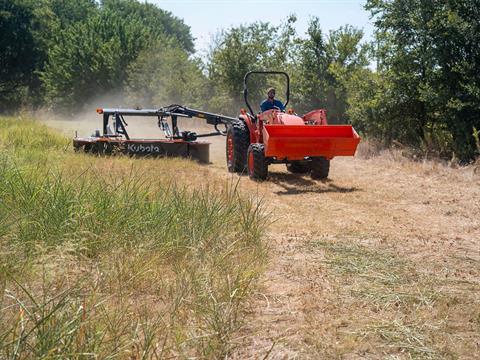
[(198, 150), (295, 142)]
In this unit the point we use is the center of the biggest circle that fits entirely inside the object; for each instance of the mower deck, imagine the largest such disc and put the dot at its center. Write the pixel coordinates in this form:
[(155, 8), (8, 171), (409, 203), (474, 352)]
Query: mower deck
[(198, 150)]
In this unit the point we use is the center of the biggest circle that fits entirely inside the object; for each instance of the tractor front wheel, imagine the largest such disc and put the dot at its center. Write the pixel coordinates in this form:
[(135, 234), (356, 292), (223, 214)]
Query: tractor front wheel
[(257, 164), (238, 139), (320, 167)]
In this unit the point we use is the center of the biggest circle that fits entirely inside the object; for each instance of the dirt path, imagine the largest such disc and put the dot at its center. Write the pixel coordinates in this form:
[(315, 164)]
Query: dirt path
[(380, 218), (381, 260)]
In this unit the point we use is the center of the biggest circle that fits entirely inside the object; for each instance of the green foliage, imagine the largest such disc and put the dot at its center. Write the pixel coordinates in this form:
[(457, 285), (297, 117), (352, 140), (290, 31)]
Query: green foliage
[(365, 91), (311, 76), (155, 20), (91, 58), (164, 74), (428, 53), (324, 65), (64, 52), (30, 29), (16, 42), (236, 52), (476, 136), (318, 65), (258, 46), (68, 12)]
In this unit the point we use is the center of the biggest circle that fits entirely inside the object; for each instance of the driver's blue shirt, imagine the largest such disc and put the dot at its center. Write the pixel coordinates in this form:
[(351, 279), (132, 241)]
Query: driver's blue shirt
[(268, 105)]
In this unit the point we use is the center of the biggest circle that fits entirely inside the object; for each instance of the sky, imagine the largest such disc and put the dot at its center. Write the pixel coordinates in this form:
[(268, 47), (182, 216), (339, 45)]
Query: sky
[(207, 17)]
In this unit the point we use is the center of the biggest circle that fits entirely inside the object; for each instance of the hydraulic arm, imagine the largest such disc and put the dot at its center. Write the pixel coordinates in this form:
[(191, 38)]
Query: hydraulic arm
[(172, 113)]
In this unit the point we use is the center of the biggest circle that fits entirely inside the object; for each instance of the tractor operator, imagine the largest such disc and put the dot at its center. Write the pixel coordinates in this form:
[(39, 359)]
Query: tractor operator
[(270, 102)]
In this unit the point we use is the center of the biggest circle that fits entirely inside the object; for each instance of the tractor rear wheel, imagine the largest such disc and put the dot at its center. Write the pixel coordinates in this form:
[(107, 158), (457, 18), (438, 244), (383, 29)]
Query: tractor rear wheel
[(298, 167), (257, 164), (320, 168), (238, 139)]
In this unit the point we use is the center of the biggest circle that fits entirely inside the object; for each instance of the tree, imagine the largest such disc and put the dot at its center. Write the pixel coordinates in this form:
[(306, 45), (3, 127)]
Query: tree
[(455, 33), (164, 74), (234, 53), (29, 30), (428, 52), (17, 55), (258, 46), (323, 67), (311, 73), (347, 56), (156, 20), (91, 58)]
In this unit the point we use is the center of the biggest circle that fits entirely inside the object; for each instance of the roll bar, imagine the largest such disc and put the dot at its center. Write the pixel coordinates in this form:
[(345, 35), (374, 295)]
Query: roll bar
[(245, 90)]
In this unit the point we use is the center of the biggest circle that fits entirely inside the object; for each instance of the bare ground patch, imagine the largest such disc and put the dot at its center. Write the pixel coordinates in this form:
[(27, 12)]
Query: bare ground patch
[(380, 261)]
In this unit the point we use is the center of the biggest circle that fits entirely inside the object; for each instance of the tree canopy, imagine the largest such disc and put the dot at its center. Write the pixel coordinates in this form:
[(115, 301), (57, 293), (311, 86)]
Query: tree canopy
[(428, 52), (62, 53)]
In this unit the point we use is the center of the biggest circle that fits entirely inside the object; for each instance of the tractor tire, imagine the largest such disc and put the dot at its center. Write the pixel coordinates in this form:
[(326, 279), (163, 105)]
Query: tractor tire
[(257, 164), (238, 139), (298, 167), (320, 168)]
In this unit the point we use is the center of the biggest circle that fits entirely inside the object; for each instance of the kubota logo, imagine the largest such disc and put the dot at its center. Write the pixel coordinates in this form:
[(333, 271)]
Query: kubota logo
[(143, 148)]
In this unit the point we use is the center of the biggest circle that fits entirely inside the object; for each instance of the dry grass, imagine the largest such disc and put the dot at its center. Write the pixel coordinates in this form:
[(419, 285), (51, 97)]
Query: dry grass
[(380, 261), (394, 309)]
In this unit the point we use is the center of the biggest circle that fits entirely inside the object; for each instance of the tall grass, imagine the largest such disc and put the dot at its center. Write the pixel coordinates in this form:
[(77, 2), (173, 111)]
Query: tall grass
[(117, 266)]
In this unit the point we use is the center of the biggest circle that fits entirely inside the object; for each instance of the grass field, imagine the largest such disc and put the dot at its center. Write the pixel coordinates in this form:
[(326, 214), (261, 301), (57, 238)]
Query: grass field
[(155, 258), (116, 257)]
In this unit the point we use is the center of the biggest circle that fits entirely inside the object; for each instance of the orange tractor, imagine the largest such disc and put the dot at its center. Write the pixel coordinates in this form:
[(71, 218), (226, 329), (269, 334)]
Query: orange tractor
[(304, 143)]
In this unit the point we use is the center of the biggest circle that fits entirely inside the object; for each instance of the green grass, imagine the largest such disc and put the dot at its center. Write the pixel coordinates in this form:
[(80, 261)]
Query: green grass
[(105, 258)]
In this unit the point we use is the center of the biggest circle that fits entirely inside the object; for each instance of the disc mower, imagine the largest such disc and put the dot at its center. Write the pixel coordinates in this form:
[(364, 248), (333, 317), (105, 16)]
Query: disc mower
[(306, 144), (114, 138)]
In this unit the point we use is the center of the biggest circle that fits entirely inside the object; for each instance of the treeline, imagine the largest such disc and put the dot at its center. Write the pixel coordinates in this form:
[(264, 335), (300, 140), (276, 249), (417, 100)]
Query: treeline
[(426, 90), (63, 53), (417, 83)]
